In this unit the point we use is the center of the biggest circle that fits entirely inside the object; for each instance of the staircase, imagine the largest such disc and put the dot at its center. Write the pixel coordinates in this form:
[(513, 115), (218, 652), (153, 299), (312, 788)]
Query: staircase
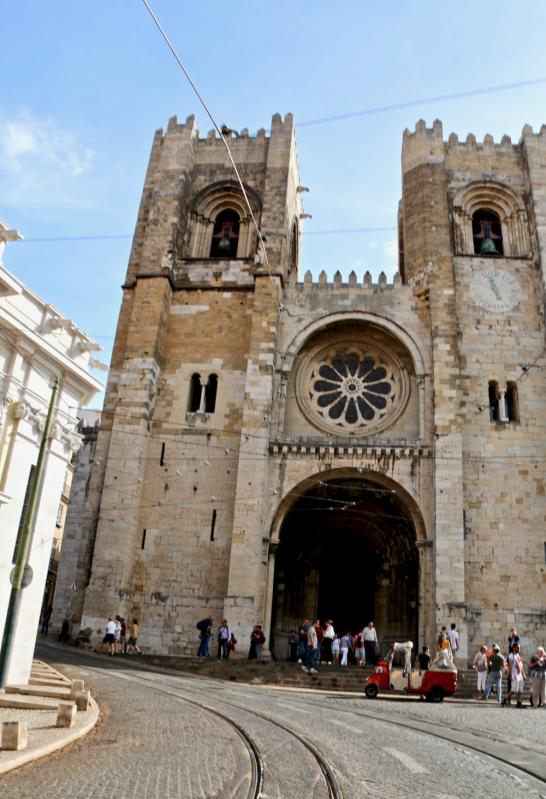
[(284, 673)]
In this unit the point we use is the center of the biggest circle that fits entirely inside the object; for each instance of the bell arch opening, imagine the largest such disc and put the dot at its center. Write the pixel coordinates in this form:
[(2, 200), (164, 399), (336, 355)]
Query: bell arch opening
[(347, 551)]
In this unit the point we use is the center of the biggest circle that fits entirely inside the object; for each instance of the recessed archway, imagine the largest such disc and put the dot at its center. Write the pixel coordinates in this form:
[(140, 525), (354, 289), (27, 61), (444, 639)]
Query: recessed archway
[(347, 550)]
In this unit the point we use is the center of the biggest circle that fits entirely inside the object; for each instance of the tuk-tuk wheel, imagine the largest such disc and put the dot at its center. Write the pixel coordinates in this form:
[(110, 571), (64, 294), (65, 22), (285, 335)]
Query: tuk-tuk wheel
[(436, 694), (371, 691)]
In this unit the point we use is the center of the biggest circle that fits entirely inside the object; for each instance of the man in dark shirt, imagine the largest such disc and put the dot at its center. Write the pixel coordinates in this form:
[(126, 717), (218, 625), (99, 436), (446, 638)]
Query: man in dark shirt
[(423, 659), (495, 665)]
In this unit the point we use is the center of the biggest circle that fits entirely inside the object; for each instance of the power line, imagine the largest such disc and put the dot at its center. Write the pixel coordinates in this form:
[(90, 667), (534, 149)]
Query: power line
[(382, 109), (108, 237)]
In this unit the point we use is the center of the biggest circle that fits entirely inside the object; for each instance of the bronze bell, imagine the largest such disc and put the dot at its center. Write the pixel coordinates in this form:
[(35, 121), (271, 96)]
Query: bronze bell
[(225, 244), (488, 248)]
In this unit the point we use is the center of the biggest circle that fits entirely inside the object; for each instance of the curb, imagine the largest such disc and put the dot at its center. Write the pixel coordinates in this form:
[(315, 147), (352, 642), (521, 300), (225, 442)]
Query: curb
[(30, 755)]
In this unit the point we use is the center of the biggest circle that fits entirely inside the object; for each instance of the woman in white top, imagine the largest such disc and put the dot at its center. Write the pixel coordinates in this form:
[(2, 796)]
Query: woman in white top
[(480, 664), (327, 639)]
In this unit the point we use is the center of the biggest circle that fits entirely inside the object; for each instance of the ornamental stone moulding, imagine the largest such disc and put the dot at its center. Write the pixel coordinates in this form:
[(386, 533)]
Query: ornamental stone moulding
[(352, 387)]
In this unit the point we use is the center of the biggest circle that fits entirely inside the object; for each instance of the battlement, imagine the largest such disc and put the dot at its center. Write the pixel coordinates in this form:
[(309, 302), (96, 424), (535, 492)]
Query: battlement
[(352, 282), (425, 142)]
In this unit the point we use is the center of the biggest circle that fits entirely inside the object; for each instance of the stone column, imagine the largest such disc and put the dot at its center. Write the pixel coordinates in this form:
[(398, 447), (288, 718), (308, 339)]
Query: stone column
[(268, 609)]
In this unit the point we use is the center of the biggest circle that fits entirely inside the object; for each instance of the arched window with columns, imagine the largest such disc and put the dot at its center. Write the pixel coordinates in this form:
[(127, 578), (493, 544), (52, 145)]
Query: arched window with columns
[(220, 222), (490, 218)]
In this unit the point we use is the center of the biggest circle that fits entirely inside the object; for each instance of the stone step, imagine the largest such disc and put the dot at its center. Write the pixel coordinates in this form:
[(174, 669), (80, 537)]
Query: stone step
[(53, 691)]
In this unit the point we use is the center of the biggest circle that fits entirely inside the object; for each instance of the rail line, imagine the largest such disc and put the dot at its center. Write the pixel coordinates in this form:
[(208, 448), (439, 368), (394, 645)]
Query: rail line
[(494, 747), (513, 755), (257, 780)]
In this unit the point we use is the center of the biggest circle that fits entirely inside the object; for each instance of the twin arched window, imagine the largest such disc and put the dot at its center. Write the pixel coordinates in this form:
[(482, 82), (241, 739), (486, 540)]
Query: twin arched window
[(220, 223), (202, 393)]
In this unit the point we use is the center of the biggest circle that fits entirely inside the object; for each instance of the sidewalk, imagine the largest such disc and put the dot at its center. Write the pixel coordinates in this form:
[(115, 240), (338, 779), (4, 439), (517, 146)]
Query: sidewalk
[(37, 705)]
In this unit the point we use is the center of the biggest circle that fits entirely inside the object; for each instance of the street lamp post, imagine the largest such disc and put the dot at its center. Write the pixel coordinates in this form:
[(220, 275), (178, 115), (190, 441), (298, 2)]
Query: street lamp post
[(18, 583)]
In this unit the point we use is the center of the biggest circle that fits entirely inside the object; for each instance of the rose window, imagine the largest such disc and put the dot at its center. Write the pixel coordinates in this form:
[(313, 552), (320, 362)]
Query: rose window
[(353, 389)]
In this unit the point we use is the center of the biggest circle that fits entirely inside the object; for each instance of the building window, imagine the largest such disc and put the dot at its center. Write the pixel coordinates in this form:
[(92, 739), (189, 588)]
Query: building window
[(294, 247), (194, 397), (486, 233), (493, 401), (503, 403), (59, 519), (202, 394), (512, 403), (490, 218), (211, 390), (225, 236)]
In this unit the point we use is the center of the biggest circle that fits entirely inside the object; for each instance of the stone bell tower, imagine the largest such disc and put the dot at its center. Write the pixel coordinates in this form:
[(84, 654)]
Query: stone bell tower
[(177, 487)]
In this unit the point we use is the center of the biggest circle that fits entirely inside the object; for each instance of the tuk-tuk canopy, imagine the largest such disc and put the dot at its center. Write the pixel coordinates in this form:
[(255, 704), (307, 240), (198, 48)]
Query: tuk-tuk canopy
[(406, 648)]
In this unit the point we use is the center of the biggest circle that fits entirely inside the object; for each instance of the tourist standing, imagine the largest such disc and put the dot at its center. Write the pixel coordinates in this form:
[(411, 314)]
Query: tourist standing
[(513, 638), (423, 658), (45, 619), (302, 640), (224, 637), (311, 650), (496, 665), (320, 633), (345, 644), (453, 637), (257, 640), (205, 634), (517, 677), (537, 664), (327, 640), (480, 665), (335, 649), (110, 636), (369, 635), (293, 641), (132, 643)]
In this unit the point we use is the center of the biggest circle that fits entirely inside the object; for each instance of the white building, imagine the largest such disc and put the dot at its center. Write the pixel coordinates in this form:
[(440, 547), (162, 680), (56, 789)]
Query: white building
[(37, 344)]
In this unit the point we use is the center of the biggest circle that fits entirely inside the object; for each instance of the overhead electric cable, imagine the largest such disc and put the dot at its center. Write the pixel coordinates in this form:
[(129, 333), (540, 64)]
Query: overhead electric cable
[(212, 119), (382, 109)]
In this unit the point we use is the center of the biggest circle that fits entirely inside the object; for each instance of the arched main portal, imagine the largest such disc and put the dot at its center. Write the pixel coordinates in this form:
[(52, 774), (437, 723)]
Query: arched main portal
[(347, 550)]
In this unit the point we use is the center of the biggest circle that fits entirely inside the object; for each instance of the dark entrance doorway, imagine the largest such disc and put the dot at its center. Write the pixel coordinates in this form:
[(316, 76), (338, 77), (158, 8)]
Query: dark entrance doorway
[(347, 552)]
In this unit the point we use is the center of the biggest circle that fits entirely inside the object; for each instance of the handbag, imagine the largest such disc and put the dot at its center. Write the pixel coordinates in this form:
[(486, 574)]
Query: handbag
[(232, 641)]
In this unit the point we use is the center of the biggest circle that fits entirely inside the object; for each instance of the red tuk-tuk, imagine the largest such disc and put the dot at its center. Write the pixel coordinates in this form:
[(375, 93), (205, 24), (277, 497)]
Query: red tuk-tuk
[(438, 681)]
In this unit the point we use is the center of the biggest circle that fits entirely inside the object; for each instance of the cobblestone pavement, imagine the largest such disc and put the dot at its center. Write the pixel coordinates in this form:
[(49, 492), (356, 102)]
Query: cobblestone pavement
[(152, 744)]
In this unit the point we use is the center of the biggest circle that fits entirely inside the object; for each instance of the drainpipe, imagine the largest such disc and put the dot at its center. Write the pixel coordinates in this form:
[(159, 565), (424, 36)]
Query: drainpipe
[(17, 576)]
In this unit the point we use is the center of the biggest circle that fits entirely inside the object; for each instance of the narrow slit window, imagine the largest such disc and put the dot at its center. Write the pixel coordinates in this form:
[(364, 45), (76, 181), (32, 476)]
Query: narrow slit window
[(211, 389), (212, 525), (143, 541), (162, 455), (493, 401), (512, 402), (194, 397)]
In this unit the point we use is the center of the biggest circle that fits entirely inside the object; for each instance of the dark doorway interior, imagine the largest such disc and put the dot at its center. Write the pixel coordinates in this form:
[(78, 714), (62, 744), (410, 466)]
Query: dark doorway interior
[(347, 552)]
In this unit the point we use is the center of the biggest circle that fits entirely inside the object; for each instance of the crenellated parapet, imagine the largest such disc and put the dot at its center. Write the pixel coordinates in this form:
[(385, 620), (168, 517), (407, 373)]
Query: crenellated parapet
[(352, 281)]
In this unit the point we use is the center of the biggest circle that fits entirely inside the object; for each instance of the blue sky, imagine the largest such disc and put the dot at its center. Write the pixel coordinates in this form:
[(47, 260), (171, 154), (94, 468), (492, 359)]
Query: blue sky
[(86, 84)]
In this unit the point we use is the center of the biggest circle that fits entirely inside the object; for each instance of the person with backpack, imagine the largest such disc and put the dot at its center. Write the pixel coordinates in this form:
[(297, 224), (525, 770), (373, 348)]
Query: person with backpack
[(205, 634)]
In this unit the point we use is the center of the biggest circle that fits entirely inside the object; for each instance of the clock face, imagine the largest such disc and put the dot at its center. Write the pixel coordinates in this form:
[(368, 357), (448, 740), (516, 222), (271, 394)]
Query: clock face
[(495, 290)]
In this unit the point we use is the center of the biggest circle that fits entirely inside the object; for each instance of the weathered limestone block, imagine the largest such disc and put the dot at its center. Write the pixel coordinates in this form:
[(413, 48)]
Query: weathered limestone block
[(14, 735), (66, 715), (83, 699), (76, 687)]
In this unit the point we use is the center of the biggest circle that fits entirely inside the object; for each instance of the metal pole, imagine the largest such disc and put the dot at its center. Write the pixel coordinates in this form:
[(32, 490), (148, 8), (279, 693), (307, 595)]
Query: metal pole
[(25, 545)]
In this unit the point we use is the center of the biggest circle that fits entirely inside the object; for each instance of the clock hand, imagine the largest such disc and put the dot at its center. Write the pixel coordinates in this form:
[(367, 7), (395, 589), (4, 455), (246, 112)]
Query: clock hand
[(494, 287)]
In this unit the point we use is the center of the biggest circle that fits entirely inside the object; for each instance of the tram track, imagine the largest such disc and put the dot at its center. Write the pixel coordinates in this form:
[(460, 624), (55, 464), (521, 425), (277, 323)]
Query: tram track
[(256, 759), (508, 753), (524, 760)]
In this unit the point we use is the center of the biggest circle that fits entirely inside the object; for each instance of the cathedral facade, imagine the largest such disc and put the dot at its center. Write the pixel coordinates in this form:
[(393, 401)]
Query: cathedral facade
[(273, 449)]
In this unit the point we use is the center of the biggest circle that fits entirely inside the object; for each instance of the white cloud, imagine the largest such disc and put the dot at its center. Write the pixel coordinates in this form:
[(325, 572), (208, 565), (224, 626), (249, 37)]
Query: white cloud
[(390, 248), (40, 162), (29, 142)]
